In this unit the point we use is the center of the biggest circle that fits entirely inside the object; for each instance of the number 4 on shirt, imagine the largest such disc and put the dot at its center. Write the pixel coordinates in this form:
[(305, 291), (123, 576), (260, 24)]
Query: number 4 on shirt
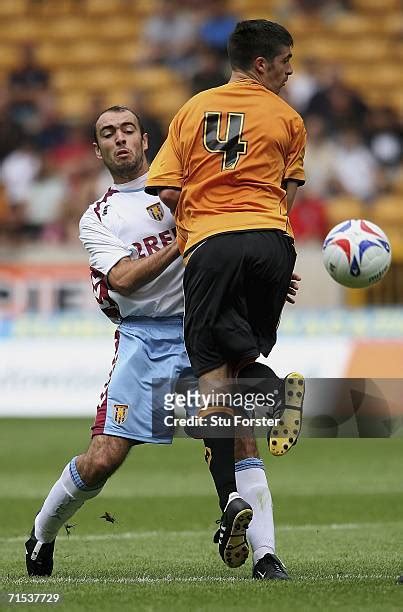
[(232, 147)]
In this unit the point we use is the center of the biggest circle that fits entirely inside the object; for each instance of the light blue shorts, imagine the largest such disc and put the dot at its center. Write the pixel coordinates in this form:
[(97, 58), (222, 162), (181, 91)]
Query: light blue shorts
[(149, 358)]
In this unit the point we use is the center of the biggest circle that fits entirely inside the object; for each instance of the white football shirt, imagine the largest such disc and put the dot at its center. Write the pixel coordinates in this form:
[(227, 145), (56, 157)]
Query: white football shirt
[(127, 222)]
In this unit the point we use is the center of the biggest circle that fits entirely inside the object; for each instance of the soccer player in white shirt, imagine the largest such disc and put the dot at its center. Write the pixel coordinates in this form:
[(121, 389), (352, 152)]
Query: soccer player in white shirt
[(137, 280)]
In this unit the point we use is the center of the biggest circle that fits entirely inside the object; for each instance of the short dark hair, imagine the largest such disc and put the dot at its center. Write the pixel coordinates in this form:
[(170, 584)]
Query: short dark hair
[(256, 38), (116, 109)]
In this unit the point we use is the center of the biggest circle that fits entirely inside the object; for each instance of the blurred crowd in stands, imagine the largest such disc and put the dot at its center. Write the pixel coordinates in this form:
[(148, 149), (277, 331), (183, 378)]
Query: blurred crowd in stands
[(49, 174)]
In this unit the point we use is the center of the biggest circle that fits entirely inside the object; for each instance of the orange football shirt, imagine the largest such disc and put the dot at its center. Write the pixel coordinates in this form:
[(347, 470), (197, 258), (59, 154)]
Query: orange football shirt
[(230, 149)]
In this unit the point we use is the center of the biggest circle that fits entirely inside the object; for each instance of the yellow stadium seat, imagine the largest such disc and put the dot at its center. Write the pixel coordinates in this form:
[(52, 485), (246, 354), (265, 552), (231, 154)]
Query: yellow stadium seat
[(343, 208), (90, 53), (398, 184), (375, 6), (396, 241), (21, 30), (101, 7), (70, 28), (127, 52), (393, 24), (118, 28), (239, 6), (119, 96), (165, 106), (380, 79), (9, 57), (157, 78), (73, 105), (52, 55), (387, 210), (366, 51), (355, 24), (145, 7), (50, 8), (76, 54), (13, 8)]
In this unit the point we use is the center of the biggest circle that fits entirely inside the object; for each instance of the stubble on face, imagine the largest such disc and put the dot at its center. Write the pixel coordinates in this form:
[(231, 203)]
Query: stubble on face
[(279, 70), (125, 168)]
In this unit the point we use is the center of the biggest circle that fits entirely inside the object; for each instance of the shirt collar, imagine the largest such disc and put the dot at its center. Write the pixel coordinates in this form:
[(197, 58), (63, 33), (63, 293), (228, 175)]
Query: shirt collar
[(137, 184)]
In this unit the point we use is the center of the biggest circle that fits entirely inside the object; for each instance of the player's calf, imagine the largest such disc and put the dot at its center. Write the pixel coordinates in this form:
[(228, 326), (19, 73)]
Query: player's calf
[(103, 457)]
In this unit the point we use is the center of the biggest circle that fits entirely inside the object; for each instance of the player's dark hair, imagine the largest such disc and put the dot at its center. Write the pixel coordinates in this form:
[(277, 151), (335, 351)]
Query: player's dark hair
[(116, 109), (256, 38)]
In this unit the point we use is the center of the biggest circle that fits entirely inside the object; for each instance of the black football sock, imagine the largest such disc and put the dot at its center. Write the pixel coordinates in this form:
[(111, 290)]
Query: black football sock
[(219, 457)]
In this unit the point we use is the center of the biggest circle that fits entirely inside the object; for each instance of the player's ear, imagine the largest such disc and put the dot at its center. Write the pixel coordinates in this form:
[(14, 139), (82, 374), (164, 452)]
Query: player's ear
[(97, 150), (145, 142), (261, 64)]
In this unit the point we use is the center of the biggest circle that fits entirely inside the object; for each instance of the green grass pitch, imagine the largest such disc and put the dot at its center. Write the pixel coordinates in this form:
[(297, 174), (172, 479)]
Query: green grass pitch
[(338, 511)]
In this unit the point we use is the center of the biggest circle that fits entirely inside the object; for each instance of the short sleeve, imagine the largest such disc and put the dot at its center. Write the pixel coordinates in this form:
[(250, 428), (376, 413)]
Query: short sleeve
[(294, 168), (104, 248), (166, 170)]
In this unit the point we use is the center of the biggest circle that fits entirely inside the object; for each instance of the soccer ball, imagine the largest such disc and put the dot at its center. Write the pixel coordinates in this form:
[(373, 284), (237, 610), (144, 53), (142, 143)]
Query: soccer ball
[(356, 253)]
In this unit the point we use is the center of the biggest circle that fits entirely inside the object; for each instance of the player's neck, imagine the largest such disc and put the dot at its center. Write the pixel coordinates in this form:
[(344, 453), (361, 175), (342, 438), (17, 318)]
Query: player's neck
[(237, 76)]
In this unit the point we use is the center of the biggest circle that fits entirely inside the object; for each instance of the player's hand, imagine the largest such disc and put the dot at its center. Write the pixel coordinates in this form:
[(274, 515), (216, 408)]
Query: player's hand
[(293, 288)]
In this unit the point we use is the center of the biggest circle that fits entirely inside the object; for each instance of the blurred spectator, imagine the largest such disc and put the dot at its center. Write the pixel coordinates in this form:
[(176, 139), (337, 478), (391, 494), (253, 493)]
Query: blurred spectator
[(308, 216), (18, 171), (209, 72), (337, 104), (355, 169), (75, 151), (27, 83), (81, 192), (398, 179), (11, 133), (151, 124), (102, 178), (169, 37), (304, 84), (51, 130), (41, 210), (319, 156), (4, 214), (384, 136), (217, 24)]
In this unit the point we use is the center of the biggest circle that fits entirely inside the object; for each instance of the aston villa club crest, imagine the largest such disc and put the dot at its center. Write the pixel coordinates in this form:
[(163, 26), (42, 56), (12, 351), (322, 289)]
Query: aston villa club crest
[(156, 211), (120, 413)]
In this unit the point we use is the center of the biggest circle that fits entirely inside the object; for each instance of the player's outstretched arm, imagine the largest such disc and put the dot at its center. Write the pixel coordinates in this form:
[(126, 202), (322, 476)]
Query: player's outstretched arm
[(128, 274)]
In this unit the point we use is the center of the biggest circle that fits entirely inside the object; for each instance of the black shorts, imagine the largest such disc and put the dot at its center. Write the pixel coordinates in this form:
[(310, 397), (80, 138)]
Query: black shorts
[(235, 287)]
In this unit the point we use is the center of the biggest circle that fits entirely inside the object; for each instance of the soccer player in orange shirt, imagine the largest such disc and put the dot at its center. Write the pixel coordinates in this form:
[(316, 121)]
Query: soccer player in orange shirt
[(230, 169)]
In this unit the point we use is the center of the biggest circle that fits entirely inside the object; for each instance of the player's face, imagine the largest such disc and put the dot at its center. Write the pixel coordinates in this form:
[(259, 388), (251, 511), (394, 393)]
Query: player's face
[(278, 70), (121, 145)]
